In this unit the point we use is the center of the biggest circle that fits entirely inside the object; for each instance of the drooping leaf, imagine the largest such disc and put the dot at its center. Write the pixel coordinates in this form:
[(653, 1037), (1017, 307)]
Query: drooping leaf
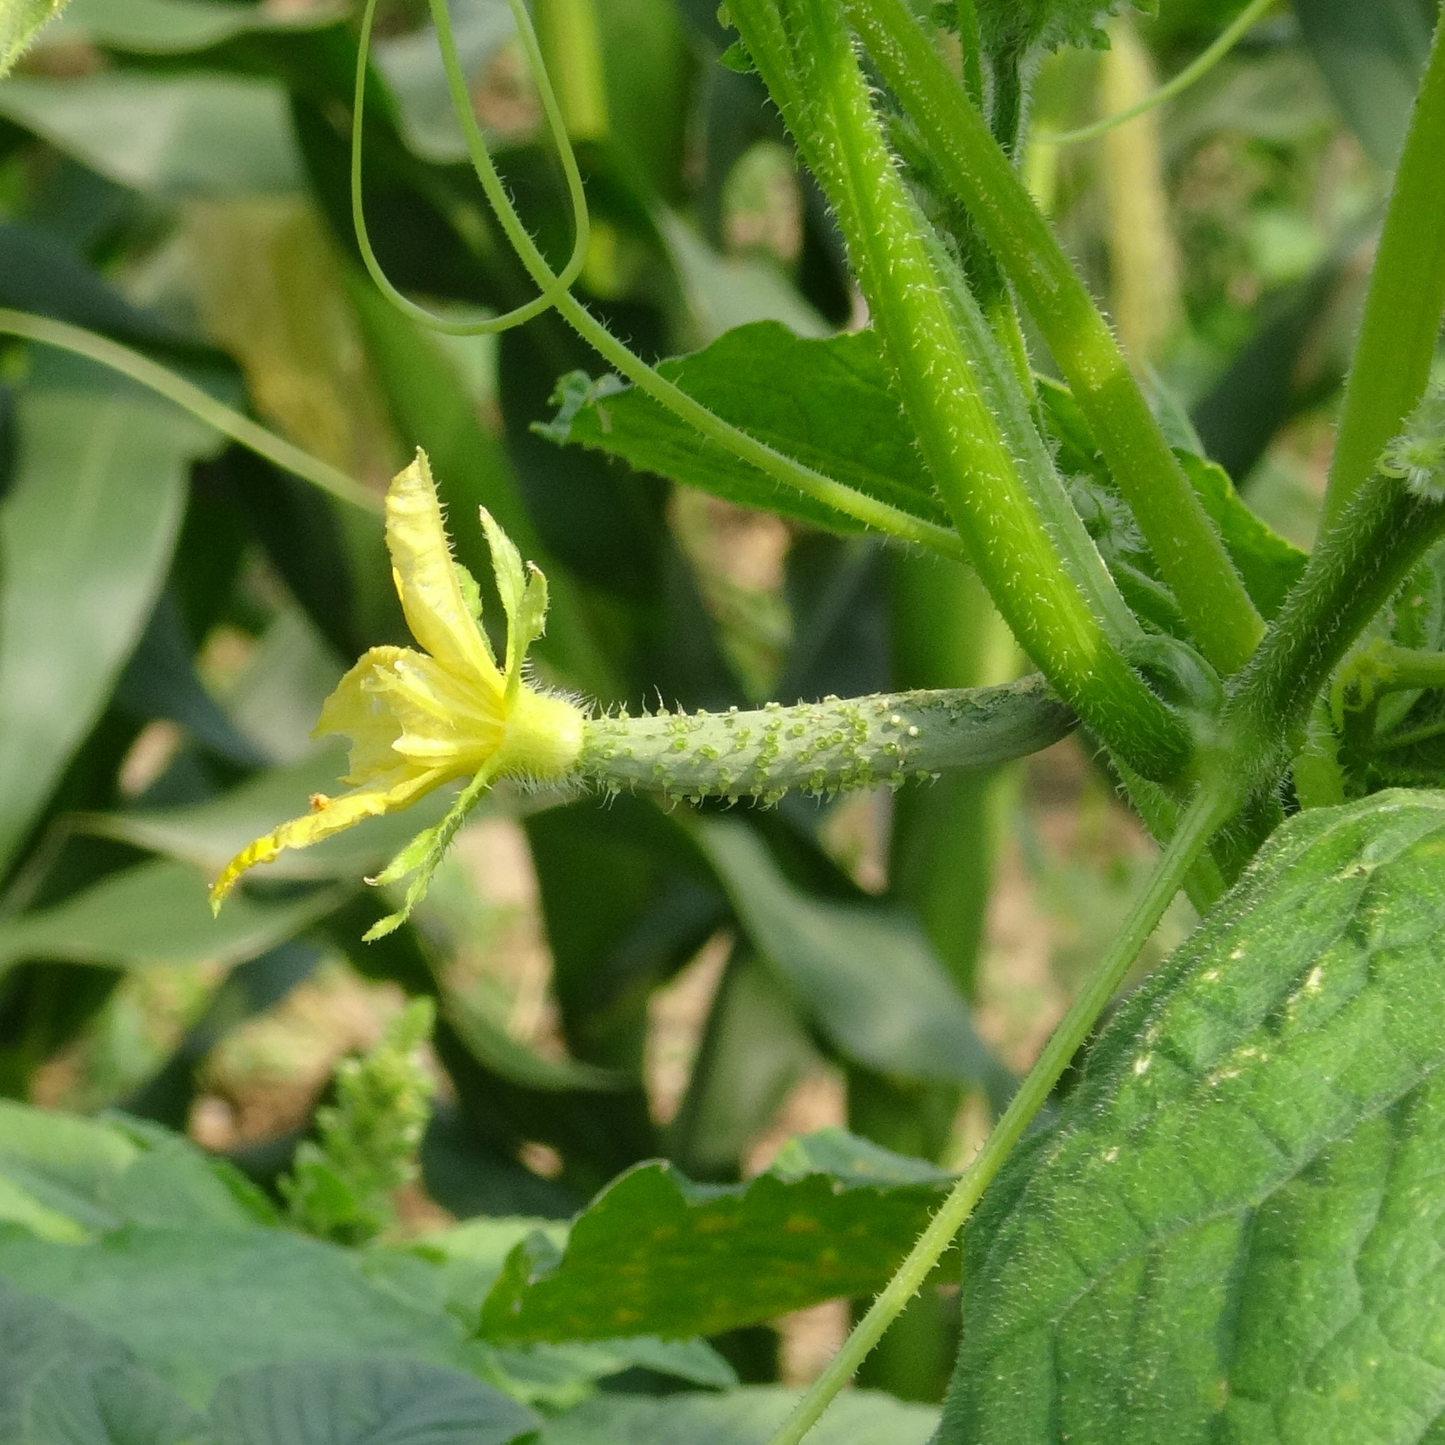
[(363, 1402), (1232, 1231), (209, 135), (67, 1178), (85, 538), (741, 1417), (1372, 57), (754, 1049), (826, 403), (197, 1304), (862, 972), (656, 1254), (157, 914), (207, 835), (64, 1383)]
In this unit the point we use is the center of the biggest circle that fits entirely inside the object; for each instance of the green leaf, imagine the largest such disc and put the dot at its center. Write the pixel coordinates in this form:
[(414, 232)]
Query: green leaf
[(1021, 25), (64, 1383), (208, 135), (198, 1304), (1268, 565), (862, 971), (363, 1402), (157, 914), (1372, 57), (826, 403), (115, 1405), (656, 1254), (86, 534), (742, 1417), (1231, 1231), (20, 21), (84, 1175), (173, 27)]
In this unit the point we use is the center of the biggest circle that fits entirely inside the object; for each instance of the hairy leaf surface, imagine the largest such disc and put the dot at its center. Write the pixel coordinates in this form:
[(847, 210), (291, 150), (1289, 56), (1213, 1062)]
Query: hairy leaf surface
[(1236, 1230)]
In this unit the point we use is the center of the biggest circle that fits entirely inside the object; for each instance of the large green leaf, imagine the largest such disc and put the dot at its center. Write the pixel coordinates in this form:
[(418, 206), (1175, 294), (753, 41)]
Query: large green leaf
[(1234, 1230), (157, 913), (741, 1417), (209, 135), (64, 1383), (72, 1404), (85, 539), (197, 1304), (657, 1254), (363, 1402), (64, 1178), (826, 403), (863, 972)]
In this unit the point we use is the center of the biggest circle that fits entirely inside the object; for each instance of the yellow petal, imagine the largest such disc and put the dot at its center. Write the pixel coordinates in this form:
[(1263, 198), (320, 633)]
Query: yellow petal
[(397, 704), (328, 816), (444, 720), (426, 576), (355, 710)]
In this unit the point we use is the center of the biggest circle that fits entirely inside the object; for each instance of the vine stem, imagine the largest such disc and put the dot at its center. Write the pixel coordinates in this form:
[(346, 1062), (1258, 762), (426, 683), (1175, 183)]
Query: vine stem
[(1196, 70), (1396, 349), (190, 398), (1212, 806)]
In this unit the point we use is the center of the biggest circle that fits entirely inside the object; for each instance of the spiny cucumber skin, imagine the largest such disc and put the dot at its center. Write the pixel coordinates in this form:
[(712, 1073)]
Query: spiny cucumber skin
[(825, 747)]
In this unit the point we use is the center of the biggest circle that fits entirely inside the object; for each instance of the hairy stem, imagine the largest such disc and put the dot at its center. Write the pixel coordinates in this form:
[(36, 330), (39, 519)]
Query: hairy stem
[(824, 747), (1040, 567), (1208, 811), (1216, 607), (200, 404), (1359, 562), (1401, 325)]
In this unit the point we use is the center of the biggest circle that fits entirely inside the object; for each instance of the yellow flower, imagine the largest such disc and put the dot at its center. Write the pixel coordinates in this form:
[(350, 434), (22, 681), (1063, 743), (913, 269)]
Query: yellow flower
[(417, 720)]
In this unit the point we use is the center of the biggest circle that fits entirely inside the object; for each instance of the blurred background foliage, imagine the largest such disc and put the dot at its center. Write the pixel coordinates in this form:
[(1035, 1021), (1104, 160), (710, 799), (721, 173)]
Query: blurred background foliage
[(612, 983)]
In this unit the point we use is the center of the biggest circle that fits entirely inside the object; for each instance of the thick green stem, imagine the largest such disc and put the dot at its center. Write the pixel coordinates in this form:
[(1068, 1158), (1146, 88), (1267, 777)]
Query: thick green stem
[(1190, 555), (1208, 811), (1359, 562), (190, 398), (1401, 325), (823, 747), (971, 50), (1043, 574)]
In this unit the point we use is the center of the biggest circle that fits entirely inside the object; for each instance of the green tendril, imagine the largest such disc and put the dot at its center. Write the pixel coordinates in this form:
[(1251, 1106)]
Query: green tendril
[(486, 173)]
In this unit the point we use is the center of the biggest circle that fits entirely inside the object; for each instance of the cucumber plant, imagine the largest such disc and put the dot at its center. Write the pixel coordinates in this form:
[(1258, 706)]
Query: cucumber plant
[(1226, 1228)]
